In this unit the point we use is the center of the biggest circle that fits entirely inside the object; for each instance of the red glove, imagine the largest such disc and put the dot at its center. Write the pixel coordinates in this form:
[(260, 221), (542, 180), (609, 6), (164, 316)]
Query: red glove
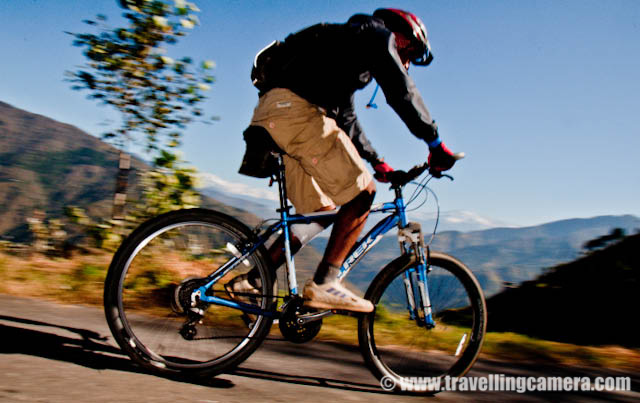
[(382, 170), (440, 158)]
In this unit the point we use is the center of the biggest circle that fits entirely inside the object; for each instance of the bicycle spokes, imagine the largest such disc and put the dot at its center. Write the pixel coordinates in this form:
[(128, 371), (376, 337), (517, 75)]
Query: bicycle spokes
[(442, 333)]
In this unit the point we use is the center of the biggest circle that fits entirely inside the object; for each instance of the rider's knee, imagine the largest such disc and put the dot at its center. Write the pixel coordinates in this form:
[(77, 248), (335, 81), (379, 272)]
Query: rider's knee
[(371, 188)]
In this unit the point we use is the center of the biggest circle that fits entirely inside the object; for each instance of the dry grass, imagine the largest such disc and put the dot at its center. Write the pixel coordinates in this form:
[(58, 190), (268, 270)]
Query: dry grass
[(518, 347), (77, 280), (80, 280)]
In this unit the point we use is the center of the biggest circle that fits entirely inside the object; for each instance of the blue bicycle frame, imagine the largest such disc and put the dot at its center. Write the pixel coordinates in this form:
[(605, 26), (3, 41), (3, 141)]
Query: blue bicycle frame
[(417, 300)]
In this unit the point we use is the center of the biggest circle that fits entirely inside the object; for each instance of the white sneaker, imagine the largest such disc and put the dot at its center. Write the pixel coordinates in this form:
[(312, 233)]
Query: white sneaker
[(334, 295)]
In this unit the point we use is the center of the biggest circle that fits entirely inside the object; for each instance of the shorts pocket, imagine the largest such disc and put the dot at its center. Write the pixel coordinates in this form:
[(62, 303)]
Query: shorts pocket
[(339, 169)]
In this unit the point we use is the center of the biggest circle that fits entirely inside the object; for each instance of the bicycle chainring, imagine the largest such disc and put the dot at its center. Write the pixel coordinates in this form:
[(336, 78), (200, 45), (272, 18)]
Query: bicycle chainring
[(290, 328)]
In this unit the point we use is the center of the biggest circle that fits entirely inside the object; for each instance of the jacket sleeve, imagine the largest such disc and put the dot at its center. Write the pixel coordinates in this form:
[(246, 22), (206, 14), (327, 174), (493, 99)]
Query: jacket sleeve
[(347, 121), (399, 89)]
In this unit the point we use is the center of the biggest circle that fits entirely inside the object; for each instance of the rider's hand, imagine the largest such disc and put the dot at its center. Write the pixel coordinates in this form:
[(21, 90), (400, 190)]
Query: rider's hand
[(440, 158), (382, 170)]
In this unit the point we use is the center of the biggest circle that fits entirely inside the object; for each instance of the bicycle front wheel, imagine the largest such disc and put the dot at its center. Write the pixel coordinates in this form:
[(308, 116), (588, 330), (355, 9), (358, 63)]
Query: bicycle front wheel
[(148, 294), (402, 349)]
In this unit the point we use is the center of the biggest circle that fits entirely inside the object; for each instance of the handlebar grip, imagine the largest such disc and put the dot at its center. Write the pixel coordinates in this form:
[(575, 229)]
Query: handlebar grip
[(417, 171)]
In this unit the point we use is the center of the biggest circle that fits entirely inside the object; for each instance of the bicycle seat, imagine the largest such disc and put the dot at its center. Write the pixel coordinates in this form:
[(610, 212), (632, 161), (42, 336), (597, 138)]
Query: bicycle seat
[(259, 160)]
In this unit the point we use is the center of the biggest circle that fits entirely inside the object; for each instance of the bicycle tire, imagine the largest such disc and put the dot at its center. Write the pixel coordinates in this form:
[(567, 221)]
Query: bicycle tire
[(162, 254), (451, 348)]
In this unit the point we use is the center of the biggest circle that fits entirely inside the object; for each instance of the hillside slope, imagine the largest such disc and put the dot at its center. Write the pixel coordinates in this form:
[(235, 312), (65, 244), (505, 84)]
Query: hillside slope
[(46, 165), (592, 300)]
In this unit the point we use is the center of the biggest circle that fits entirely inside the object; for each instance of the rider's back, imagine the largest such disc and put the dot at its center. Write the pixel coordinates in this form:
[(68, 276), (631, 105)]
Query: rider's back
[(326, 63)]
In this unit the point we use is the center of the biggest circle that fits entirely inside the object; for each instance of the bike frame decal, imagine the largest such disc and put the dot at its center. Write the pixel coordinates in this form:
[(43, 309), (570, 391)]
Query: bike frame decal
[(361, 248)]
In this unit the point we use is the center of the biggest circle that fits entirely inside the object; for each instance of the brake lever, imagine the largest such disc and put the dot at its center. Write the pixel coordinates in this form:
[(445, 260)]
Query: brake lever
[(439, 175)]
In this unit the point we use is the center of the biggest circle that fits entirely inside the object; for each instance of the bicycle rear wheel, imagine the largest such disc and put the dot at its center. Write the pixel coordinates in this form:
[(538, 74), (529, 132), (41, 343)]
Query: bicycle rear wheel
[(148, 294), (396, 347)]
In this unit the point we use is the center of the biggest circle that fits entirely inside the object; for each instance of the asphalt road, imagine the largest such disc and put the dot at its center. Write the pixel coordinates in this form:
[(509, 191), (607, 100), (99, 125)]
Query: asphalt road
[(60, 353)]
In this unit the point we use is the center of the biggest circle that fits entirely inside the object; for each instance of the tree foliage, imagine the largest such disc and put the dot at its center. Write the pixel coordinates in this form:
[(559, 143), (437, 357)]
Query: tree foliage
[(615, 235), (167, 187), (48, 236), (128, 69), (170, 186)]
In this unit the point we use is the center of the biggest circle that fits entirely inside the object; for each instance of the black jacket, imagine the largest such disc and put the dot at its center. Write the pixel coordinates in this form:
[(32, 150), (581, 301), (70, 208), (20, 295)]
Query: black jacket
[(330, 62)]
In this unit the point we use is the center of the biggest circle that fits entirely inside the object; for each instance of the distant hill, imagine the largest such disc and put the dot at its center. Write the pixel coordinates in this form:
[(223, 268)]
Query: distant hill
[(46, 165), (500, 255), (519, 254), (592, 300)]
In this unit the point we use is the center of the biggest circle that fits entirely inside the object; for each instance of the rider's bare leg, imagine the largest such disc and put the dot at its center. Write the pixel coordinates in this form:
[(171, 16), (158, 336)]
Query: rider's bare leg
[(276, 250), (346, 229)]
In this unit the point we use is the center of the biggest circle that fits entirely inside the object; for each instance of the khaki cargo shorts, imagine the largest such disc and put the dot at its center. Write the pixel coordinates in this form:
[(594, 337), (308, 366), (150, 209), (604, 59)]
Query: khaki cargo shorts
[(322, 166)]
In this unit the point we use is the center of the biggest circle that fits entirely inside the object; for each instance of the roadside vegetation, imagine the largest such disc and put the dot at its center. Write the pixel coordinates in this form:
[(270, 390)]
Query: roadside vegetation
[(80, 280)]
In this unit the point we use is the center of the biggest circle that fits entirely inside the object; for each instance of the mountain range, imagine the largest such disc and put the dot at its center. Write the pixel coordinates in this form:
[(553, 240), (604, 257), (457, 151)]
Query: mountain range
[(46, 165)]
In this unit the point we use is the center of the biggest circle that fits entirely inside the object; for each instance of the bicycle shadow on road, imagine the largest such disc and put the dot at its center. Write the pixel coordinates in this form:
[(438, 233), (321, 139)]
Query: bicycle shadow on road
[(90, 350), (315, 381)]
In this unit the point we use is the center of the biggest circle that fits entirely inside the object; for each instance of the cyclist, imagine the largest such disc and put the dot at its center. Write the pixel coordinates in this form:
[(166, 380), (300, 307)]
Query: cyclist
[(306, 105)]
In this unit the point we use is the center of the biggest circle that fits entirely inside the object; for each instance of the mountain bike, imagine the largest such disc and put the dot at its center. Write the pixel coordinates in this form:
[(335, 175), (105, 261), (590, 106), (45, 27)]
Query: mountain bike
[(167, 307)]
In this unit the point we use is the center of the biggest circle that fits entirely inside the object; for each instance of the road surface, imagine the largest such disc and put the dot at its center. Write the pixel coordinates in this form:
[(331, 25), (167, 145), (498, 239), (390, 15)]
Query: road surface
[(61, 353)]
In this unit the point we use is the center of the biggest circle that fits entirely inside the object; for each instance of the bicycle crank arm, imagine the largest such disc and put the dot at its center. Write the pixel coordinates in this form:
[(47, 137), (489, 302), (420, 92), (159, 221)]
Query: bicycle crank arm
[(312, 317)]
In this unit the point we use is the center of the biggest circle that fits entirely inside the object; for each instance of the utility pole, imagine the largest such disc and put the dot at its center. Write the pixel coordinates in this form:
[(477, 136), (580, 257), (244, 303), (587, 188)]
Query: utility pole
[(122, 180)]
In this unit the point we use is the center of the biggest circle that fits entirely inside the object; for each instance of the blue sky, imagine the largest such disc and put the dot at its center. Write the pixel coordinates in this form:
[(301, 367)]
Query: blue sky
[(541, 95)]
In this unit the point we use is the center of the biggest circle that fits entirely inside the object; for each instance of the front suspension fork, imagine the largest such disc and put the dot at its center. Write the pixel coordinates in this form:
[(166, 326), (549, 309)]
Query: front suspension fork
[(417, 293), (425, 301), (415, 278)]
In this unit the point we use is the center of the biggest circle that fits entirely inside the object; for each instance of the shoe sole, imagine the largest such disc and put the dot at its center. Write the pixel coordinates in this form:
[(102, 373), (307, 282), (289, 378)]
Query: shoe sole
[(323, 305)]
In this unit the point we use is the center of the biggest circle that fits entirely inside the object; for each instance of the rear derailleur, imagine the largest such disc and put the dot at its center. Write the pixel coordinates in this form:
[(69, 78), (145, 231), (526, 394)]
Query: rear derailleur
[(186, 302)]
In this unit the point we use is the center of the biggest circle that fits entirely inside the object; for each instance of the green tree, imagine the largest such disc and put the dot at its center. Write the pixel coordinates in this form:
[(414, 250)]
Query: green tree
[(48, 236), (168, 186), (156, 96), (128, 69)]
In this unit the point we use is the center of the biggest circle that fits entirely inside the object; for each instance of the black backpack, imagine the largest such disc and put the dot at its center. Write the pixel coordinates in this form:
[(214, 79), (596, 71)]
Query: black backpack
[(269, 64), (276, 57), (259, 160)]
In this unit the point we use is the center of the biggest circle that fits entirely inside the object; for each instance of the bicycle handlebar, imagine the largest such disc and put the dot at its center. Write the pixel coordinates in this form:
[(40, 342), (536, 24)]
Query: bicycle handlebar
[(400, 178)]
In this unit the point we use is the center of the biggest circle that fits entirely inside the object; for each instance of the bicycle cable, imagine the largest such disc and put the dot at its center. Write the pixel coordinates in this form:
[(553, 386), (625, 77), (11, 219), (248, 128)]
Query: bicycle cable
[(420, 188), (260, 226)]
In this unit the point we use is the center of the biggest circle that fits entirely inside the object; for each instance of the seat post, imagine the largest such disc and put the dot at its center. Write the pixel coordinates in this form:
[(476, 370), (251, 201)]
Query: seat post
[(286, 229), (282, 187)]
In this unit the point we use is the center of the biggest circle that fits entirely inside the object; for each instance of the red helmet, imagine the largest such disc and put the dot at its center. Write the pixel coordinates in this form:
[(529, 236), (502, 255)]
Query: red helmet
[(412, 28)]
